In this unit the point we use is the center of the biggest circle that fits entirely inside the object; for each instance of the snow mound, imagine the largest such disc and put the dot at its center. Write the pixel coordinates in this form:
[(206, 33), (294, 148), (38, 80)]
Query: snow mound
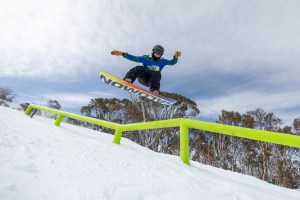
[(41, 161)]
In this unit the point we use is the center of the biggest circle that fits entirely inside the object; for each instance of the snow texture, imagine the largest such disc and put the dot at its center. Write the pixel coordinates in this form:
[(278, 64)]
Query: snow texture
[(41, 161)]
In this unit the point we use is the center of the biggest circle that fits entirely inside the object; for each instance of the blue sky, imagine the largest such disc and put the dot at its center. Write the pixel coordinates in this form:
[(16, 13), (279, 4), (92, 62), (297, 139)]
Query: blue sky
[(236, 55)]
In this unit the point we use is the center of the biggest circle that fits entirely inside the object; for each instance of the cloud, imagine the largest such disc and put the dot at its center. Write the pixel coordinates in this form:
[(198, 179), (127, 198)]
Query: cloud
[(250, 100), (71, 37), (50, 38), (230, 49)]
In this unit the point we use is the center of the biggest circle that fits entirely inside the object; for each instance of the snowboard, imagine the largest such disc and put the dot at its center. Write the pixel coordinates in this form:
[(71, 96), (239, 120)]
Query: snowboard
[(129, 87)]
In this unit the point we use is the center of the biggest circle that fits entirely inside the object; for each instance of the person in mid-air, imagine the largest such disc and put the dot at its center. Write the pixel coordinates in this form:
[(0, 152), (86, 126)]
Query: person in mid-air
[(149, 74)]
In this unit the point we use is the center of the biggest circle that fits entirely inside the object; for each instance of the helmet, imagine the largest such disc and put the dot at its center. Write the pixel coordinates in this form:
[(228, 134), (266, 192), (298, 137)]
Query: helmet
[(158, 49)]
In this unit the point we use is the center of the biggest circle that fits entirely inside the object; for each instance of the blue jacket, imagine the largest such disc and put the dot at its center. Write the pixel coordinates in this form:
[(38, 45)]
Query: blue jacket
[(150, 64)]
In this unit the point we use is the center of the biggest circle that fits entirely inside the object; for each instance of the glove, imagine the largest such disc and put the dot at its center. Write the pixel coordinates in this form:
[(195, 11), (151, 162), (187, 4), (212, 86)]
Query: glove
[(177, 54), (117, 53)]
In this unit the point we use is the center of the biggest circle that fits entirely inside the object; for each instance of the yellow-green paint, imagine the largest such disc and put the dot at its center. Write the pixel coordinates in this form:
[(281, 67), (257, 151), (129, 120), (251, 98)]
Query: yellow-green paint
[(184, 143), (59, 119), (91, 120), (184, 124), (118, 135)]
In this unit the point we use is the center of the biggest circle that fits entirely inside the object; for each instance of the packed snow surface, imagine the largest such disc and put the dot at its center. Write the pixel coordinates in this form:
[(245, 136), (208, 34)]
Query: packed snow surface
[(42, 161)]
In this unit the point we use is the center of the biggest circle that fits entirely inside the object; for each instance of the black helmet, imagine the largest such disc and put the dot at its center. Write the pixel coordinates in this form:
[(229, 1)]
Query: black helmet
[(158, 49)]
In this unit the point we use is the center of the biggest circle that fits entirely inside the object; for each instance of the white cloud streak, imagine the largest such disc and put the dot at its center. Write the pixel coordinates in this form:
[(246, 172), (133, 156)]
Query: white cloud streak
[(75, 100), (250, 100)]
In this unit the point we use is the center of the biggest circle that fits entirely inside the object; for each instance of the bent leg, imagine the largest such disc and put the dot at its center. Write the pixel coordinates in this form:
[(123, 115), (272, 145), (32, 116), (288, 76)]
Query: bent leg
[(155, 81), (135, 72)]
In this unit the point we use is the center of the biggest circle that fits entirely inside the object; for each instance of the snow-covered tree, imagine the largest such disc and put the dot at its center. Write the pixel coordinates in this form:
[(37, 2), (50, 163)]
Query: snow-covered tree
[(6, 96)]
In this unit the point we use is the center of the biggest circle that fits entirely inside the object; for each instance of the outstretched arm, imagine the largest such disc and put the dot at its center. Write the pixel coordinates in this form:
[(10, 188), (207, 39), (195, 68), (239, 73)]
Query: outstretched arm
[(128, 56), (175, 58)]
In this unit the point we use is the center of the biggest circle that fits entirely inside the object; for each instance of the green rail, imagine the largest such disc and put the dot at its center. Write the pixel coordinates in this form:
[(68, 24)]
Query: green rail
[(184, 124)]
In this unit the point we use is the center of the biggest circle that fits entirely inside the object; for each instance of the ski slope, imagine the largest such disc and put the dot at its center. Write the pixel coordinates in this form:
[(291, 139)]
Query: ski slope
[(41, 161)]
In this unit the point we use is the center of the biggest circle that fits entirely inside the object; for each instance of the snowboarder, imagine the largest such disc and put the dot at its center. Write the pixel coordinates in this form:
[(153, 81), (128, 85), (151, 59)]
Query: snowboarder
[(149, 74)]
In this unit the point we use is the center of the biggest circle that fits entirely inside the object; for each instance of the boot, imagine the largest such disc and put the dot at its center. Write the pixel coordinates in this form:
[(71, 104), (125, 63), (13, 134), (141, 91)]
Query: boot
[(154, 91), (128, 80)]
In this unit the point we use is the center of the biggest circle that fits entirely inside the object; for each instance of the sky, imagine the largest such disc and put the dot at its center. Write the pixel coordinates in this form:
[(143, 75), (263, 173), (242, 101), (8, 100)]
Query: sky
[(42, 161), (236, 55)]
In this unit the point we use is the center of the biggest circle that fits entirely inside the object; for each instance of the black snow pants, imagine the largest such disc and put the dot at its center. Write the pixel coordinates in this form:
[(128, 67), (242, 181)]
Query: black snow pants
[(149, 80)]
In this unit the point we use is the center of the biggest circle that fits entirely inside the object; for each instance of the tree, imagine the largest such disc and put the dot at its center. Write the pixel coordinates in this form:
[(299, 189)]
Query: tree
[(6, 95), (296, 126), (24, 106), (165, 140), (261, 120), (226, 148), (141, 109), (53, 104), (113, 110)]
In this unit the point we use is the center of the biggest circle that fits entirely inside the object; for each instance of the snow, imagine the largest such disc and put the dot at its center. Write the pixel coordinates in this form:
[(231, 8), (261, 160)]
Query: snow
[(41, 161)]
